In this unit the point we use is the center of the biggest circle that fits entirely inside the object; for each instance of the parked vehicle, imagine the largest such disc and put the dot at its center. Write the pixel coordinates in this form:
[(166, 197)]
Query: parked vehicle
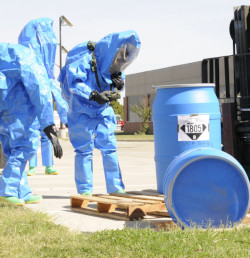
[(120, 122)]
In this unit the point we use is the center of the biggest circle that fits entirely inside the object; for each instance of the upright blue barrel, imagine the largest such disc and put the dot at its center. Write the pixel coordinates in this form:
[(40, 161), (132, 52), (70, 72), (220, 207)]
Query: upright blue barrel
[(206, 187), (185, 116)]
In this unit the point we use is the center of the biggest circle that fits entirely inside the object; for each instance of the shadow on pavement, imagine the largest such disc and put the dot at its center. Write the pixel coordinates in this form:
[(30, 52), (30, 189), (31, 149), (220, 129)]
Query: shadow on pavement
[(55, 197)]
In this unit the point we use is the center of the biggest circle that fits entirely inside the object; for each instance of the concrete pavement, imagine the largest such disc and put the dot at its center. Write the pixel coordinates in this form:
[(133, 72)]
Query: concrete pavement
[(138, 170)]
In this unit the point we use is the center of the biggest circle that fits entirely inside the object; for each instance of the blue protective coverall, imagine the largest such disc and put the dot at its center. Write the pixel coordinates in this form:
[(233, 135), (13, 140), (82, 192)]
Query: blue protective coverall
[(92, 124), (46, 146), (39, 36), (25, 103)]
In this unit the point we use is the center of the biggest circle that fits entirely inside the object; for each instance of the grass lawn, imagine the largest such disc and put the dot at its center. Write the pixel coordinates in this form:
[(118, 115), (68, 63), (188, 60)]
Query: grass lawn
[(26, 233), (121, 136)]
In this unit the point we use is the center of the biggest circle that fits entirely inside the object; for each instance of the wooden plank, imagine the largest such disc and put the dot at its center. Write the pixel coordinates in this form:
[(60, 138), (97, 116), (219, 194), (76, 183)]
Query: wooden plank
[(146, 193), (79, 202), (93, 199), (142, 211), (135, 198), (101, 207), (160, 213), (124, 200), (104, 200), (91, 211), (139, 196), (154, 207)]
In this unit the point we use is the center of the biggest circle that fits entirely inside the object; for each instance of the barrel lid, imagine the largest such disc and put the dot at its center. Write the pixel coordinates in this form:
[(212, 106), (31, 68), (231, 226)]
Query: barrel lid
[(184, 85), (206, 188)]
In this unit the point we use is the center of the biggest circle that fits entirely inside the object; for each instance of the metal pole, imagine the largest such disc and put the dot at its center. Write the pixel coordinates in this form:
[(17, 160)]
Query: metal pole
[(60, 52), (60, 41), (2, 157)]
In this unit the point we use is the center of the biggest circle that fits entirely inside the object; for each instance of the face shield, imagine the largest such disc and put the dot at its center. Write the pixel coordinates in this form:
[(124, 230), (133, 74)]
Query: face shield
[(124, 56)]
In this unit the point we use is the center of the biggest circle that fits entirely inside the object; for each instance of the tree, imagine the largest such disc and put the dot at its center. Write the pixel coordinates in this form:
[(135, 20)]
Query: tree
[(118, 108), (144, 113)]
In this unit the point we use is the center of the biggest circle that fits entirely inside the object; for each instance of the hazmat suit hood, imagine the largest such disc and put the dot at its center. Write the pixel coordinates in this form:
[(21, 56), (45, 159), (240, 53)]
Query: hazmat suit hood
[(115, 52), (112, 54), (39, 36)]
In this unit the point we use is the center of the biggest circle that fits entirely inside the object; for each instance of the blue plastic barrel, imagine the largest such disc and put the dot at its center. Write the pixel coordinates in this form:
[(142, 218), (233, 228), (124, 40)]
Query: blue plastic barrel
[(185, 116), (206, 187)]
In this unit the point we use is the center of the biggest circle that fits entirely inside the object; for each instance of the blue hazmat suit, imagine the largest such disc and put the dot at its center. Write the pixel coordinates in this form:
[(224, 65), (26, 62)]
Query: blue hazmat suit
[(92, 124), (25, 99), (25, 106), (46, 146), (38, 35)]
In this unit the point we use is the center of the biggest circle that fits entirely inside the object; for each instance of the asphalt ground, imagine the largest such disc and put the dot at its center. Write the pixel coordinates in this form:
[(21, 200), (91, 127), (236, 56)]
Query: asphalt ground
[(137, 164)]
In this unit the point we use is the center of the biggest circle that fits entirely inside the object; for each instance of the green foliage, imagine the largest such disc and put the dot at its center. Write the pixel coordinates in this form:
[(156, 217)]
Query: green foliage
[(144, 114), (118, 108)]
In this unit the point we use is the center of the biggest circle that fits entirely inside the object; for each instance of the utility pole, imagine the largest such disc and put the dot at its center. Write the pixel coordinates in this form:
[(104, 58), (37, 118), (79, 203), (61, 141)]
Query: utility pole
[(63, 21)]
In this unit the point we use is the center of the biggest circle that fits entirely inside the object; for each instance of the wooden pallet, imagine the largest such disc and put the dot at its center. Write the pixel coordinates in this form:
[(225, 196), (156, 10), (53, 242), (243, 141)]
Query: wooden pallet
[(133, 205), (130, 206)]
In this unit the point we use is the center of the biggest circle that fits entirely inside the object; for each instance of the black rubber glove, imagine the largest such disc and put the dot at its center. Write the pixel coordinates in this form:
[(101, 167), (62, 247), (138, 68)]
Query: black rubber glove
[(50, 131), (67, 125), (99, 97), (117, 81)]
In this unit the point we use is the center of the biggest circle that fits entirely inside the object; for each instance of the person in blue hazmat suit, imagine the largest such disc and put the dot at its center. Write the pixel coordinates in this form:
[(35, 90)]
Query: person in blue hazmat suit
[(29, 38), (92, 71), (46, 146), (25, 106)]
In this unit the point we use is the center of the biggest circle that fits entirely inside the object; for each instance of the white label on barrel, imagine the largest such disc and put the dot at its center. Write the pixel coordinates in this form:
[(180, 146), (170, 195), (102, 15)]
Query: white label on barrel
[(193, 127)]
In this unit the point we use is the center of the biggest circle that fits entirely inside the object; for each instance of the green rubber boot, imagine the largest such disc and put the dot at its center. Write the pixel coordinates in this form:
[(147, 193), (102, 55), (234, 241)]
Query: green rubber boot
[(86, 193), (31, 171), (120, 191), (15, 200), (50, 171), (34, 198)]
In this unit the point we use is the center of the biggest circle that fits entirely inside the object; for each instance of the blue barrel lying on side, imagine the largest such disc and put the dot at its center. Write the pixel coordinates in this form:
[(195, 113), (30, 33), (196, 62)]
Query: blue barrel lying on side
[(185, 116), (206, 187)]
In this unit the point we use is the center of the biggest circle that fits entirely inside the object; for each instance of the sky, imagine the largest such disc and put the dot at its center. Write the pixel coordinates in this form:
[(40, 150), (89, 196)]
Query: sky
[(172, 32)]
